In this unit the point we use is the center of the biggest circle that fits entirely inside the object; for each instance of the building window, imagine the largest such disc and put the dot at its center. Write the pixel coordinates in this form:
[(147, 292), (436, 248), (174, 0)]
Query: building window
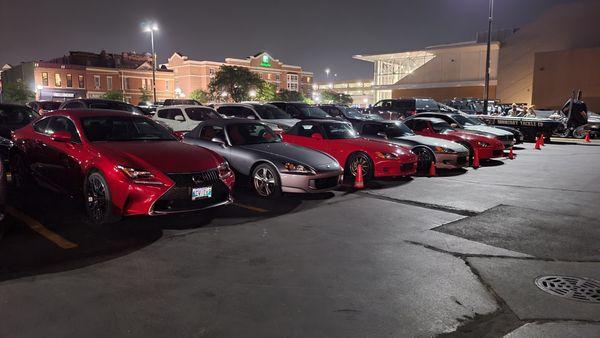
[(212, 71), (277, 77), (69, 81), (57, 80), (145, 84), (292, 82), (109, 83), (127, 84), (97, 81), (80, 81), (44, 79)]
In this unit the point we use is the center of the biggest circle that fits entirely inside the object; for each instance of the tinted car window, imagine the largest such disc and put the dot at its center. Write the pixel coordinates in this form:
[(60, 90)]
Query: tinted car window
[(209, 132), (339, 131), (173, 102), (73, 104), (237, 111), (40, 126), (310, 111), (307, 129), (267, 111), (170, 113), (17, 115), (60, 123), (201, 114), (279, 105), (371, 129), (426, 105), (113, 105), (48, 105), (117, 128), (247, 133)]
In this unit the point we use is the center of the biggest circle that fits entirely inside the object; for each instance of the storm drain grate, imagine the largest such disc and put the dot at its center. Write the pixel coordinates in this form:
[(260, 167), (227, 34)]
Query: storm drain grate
[(576, 288)]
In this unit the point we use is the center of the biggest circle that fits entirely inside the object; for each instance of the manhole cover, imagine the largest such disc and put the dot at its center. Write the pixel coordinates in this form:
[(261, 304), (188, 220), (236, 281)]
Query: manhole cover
[(576, 288)]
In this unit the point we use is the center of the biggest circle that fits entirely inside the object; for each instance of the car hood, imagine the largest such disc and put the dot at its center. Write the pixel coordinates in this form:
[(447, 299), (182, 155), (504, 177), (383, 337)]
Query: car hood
[(165, 156), (489, 130), (282, 152), (415, 140), (283, 122)]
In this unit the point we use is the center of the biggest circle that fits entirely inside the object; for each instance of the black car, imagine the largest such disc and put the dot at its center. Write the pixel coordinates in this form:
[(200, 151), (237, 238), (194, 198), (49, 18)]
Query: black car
[(352, 115), (178, 102), (101, 104), (301, 110), (398, 109), (44, 106), (2, 199), (12, 117)]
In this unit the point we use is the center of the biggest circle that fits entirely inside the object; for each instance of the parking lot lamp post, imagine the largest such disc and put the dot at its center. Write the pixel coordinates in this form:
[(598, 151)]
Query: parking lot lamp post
[(487, 60), (39, 88), (151, 28)]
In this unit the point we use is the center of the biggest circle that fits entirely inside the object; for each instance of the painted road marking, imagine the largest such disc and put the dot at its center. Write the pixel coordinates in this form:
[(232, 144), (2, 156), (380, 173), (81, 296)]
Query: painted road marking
[(40, 229), (249, 207)]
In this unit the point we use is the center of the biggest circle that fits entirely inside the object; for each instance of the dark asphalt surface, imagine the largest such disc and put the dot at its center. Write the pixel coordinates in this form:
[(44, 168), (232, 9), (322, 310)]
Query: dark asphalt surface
[(454, 254)]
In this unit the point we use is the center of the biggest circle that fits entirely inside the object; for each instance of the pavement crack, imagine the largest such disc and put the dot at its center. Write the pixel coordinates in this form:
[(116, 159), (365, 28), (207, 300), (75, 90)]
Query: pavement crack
[(431, 206)]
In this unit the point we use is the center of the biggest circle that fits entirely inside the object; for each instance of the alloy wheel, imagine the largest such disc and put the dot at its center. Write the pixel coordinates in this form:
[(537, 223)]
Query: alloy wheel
[(264, 182), (363, 162), (96, 198), (425, 157)]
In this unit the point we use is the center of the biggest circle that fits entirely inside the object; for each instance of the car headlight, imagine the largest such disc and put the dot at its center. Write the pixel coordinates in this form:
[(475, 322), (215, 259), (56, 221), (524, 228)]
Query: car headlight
[(295, 168), (483, 144), (224, 170), (443, 150), (139, 176), (387, 156)]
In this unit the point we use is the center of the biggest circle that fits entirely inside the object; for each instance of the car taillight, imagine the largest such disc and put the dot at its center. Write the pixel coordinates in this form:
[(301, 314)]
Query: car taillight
[(411, 112)]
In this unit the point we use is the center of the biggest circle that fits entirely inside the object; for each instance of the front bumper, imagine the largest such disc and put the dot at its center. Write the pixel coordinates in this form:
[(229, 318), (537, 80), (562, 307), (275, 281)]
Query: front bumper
[(451, 161), (490, 152), (320, 182), (395, 168)]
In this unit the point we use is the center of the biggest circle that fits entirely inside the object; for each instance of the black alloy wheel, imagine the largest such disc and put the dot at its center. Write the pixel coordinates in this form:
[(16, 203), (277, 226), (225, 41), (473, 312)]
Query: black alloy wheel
[(425, 157), (98, 205)]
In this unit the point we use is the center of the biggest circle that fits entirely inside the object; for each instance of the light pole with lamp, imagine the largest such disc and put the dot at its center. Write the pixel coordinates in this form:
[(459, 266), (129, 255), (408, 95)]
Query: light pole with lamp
[(151, 28), (39, 88), (486, 92)]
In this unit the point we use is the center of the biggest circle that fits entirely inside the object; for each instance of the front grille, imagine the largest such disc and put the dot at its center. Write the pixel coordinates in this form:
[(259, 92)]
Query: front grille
[(461, 160), (324, 183), (408, 166), (195, 179)]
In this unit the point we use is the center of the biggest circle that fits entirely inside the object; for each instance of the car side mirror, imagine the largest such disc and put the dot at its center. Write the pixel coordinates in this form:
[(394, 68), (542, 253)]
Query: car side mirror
[(251, 117), (61, 136), (382, 135), (179, 118), (219, 141), (317, 136), (454, 125)]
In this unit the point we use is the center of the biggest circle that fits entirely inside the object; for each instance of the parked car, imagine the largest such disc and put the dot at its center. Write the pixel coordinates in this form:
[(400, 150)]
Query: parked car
[(12, 117), (121, 163), (342, 142), (255, 150), (274, 117), (445, 154), (179, 102), (487, 146), (463, 121), (184, 117), (301, 110), (42, 107), (352, 115), (398, 109), (84, 104)]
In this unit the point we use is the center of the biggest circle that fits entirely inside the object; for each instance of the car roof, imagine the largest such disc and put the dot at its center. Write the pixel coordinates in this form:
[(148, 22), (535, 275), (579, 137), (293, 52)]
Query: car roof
[(227, 122), (184, 106), (77, 113), (432, 119), (320, 121)]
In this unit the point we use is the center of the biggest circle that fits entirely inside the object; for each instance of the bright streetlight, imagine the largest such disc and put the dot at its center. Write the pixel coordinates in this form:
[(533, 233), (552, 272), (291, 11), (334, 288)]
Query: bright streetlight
[(252, 93), (327, 71), (151, 28)]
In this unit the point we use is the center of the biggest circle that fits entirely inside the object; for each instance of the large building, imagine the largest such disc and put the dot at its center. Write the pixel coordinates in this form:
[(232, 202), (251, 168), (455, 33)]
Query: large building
[(361, 91), (193, 75), (92, 75), (539, 63)]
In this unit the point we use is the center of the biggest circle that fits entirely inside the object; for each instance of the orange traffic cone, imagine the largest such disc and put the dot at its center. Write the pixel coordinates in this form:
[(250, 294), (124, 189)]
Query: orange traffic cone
[(511, 155), (542, 140), (358, 179), (432, 169), (537, 143), (587, 137), (475, 159)]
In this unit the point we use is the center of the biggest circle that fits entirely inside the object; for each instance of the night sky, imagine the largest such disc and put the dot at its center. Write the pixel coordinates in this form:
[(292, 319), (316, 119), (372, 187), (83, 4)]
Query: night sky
[(314, 34)]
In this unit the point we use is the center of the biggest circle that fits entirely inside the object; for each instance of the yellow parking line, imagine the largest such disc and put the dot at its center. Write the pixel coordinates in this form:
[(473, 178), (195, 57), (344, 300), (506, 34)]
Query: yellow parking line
[(42, 230), (249, 207)]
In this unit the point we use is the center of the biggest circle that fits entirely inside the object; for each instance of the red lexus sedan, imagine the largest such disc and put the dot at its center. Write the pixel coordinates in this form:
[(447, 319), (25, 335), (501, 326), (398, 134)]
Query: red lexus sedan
[(123, 164), (487, 146), (340, 140)]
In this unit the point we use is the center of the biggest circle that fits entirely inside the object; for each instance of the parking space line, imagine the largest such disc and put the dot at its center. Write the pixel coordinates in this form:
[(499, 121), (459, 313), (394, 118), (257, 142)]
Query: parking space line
[(40, 229), (249, 207)]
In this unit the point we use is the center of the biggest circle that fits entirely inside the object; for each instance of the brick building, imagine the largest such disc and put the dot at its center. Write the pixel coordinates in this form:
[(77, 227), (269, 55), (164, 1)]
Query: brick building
[(191, 75)]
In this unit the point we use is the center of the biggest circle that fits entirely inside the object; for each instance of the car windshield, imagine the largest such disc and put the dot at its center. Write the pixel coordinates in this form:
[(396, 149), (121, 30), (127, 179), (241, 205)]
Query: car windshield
[(397, 129), (16, 115), (442, 127), (49, 105), (427, 105), (270, 112), (251, 133), (353, 113), (341, 130), (114, 105), (123, 128), (201, 114), (310, 111), (467, 121)]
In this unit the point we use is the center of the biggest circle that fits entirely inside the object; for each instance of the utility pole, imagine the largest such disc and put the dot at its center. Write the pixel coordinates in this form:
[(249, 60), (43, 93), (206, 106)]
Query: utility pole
[(486, 92)]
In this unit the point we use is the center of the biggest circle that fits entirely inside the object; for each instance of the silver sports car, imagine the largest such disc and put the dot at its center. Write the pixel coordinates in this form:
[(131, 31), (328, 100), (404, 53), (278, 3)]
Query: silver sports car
[(274, 166)]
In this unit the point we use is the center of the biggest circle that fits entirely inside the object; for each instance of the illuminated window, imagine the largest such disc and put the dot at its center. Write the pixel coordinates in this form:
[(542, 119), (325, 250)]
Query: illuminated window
[(97, 81), (109, 83), (69, 80), (292, 82), (44, 79), (80, 81), (57, 80)]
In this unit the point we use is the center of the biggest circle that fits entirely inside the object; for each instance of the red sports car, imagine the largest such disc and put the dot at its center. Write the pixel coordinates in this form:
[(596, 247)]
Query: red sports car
[(123, 164), (487, 146), (339, 140)]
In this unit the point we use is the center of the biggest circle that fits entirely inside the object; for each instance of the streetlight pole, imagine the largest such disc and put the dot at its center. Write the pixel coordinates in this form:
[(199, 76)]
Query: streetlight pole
[(486, 91), (152, 28)]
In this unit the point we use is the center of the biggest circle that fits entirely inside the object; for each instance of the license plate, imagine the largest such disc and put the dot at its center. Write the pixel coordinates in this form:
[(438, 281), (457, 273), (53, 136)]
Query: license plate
[(200, 193)]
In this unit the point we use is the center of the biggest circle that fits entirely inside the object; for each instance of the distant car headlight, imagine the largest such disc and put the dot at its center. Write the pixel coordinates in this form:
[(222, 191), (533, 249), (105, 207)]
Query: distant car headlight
[(443, 150), (224, 170), (483, 144), (139, 176), (295, 168), (387, 156)]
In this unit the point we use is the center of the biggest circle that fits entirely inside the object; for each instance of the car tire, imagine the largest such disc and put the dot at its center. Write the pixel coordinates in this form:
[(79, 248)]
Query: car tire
[(579, 133), (470, 149), (265, 181), (367, 165), (98, 203), (425, 157)]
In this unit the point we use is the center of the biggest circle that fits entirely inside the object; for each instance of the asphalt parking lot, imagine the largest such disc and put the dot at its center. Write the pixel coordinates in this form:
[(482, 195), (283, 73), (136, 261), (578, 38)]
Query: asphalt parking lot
[(456, 254)]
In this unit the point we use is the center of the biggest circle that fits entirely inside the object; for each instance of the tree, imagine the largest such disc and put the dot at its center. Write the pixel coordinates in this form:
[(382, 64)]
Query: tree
[(16, 92), (289, 96), (200, 96), (337, 98), (235, 82), (115, 95), (267, 92), (145, 97)]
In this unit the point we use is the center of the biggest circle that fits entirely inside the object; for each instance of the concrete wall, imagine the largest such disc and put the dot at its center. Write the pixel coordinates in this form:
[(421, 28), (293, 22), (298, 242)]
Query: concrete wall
[(556, 74)]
